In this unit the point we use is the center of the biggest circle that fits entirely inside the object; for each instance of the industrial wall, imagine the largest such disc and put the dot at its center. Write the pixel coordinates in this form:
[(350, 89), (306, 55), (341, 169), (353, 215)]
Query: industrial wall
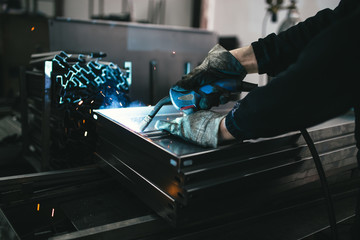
[(177, 12), (245, 19)]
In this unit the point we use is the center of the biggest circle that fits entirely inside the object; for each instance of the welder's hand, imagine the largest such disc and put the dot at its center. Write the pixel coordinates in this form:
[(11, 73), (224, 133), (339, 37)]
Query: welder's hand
[(201, 128), (219, 64)]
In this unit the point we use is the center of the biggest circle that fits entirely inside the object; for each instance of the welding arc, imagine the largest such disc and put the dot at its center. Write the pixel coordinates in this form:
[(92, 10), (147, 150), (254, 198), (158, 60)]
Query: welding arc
[(147, 120)]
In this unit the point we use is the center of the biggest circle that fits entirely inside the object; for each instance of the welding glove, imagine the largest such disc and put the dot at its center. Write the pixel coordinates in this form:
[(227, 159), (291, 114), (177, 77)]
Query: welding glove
[(201, 127), (219, 65)]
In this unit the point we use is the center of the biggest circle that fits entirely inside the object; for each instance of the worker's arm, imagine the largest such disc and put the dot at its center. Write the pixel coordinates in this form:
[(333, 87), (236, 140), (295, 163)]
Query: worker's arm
[(276, 52), (224, 134), (246, 57), (307, 93), (321, 84)]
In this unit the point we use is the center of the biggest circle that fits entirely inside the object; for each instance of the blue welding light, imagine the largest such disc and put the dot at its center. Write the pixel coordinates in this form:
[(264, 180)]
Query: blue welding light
[(173, 162), (105, 78)]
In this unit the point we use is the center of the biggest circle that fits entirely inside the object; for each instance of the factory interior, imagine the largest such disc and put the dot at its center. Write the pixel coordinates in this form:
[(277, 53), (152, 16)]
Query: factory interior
[(77, 77)]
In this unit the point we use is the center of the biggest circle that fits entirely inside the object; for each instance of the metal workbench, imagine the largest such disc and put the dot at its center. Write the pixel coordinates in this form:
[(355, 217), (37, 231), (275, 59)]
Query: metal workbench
[(156, 186), (183, 183)]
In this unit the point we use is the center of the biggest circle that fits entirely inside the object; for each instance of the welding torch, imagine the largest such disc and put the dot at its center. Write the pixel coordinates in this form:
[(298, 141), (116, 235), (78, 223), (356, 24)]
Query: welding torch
[(147, 120), (189, 101)]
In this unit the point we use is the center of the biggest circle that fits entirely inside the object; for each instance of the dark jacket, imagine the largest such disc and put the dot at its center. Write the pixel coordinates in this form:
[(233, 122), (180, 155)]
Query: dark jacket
[(316, 67)]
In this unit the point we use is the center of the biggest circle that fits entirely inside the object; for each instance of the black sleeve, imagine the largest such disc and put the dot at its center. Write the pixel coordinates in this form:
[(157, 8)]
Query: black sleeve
[(275, 53), (322, 83)]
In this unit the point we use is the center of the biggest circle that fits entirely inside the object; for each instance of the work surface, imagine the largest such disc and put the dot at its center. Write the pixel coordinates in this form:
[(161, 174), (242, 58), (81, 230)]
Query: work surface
[(127, 121), (182, 182), (264, 189)]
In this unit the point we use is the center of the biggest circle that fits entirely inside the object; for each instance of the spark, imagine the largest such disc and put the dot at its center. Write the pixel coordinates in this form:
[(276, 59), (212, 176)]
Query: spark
[(32, 29), (38, 207), (85, 133), (92, 101), (53, 212), (81, 102), (83, 121)]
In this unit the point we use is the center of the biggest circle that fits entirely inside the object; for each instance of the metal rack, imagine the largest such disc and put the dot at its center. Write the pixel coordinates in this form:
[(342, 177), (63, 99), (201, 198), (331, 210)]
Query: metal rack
[(35, 117)]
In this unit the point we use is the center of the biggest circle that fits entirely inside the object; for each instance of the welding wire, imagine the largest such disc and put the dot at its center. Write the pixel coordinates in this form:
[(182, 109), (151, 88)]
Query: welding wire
[(324, 183), (147, 120)]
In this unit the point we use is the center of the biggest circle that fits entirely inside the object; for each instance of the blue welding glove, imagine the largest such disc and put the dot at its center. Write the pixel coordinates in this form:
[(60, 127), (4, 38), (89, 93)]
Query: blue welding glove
[(201, 127), (219, 66)]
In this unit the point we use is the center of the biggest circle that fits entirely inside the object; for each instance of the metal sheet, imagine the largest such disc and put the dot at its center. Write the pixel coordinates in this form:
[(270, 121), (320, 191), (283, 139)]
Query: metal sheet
[(286, 162), (121, 125), (216, 198), (190, 179)]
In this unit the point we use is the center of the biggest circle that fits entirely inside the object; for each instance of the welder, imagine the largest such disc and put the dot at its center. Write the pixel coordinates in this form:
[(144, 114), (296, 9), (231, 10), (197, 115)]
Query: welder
[(315, 69)]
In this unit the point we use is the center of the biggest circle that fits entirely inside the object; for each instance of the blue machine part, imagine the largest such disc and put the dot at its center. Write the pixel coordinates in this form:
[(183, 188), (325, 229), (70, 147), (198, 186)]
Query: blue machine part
[(188, 101)]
